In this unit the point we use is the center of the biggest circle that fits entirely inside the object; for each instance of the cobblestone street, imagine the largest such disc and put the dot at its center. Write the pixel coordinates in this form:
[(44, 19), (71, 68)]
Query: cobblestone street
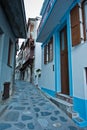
[(29, 109)]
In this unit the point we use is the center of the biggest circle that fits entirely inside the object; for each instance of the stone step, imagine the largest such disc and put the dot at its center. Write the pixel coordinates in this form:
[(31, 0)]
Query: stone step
[(64, 97), (62, 104), (65, 106), (67, 102), (72, 114)]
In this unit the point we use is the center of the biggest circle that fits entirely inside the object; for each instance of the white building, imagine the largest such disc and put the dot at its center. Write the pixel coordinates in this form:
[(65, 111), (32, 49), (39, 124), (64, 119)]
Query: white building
[(18, 65), (31, 58), (63, 32), (37, 60)]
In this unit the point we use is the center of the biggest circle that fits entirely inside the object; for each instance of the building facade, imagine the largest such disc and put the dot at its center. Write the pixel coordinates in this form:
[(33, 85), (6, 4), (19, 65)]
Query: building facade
[(9, 33), (27, 60), (19, 58), (30, 54), (63, 32)]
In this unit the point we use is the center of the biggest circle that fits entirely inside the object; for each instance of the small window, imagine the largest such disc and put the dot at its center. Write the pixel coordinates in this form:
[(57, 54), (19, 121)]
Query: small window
[(48, 52), (10, 52), (75, 26), (86, 75)]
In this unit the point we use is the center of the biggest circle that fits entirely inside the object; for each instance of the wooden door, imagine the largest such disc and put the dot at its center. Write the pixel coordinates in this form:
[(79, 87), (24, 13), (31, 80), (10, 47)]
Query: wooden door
[(64, 61)]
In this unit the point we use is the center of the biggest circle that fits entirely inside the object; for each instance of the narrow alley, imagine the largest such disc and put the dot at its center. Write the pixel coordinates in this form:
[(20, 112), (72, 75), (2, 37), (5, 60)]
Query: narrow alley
[(29, 109), (43, 65)]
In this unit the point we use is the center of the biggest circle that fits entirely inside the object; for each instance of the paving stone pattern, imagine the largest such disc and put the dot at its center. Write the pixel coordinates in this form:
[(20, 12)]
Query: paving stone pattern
[(29, 109)]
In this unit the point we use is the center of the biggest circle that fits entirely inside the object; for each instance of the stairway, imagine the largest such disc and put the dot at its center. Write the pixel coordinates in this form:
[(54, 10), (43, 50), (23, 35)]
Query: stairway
[(65, 103)]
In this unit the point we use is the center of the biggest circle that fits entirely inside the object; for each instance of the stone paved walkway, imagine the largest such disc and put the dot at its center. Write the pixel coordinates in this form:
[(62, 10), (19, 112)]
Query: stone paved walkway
[(29, 109)]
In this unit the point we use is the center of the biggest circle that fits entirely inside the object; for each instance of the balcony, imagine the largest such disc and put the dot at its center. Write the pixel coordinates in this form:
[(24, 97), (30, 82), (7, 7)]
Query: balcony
[(28, 55), (52, 16), (28, 58)]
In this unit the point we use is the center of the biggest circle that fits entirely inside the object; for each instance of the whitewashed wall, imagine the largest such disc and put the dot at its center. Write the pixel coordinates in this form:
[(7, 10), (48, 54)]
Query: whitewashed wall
[(37, 56), (47, 79), (79, 62), (37, 61)]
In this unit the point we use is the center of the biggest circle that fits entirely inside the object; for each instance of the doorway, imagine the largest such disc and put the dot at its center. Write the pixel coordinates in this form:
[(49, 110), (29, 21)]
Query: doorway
[(64, 61)]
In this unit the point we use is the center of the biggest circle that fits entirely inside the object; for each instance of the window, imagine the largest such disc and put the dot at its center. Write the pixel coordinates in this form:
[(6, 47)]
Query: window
[(48, 52), (79, 23), (10, 51), (75, 25), (85, 75)]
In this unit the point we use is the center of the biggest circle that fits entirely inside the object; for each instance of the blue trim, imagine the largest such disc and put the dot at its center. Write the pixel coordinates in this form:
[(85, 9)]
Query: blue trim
[(74, 3), (57, 62), (69, 41), (47, 40), (44, 6), (80, 106), (59, 26), (64, 21), (81, 124), (46, 18), (48, 91), (56, 28)]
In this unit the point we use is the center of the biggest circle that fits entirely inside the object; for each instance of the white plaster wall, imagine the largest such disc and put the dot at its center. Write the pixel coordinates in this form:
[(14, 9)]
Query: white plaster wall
[(47, 79), (37, 49), (27, 74), (37, 56), (79, 62), (37, 60), (6, 73), (37, 63)]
